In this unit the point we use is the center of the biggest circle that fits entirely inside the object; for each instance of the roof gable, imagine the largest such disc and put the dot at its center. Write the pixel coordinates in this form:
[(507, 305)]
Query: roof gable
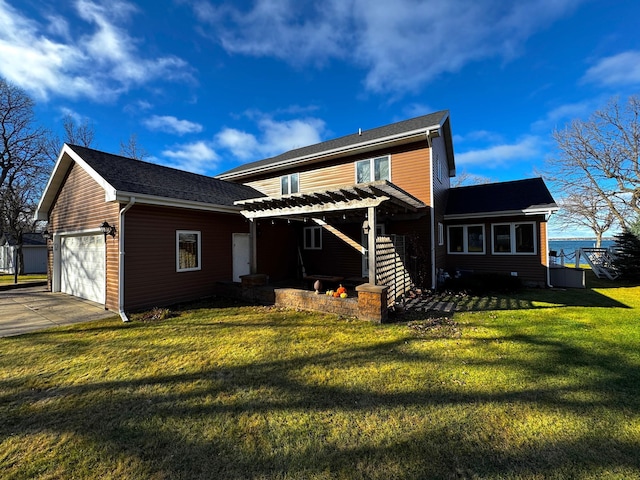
[(123, 178), (529, 195), (364, 140)]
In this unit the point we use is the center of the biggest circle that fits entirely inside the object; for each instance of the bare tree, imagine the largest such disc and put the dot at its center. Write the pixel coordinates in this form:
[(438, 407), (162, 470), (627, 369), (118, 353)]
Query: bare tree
[(131, 149), (598, 165), (78, 134), (24, 160), (464, 179), (584, 210)]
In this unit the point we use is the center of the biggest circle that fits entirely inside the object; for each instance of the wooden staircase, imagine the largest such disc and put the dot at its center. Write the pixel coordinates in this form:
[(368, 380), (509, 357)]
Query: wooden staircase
[(601, 261)]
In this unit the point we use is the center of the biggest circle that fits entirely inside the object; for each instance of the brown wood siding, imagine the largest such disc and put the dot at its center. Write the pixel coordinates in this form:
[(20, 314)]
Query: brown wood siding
[(410, 171), (531, 269), (80, 205), (151, 278)]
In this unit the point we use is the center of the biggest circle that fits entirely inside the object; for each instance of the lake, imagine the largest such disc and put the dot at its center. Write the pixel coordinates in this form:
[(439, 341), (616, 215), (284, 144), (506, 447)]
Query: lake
[(571, 245)]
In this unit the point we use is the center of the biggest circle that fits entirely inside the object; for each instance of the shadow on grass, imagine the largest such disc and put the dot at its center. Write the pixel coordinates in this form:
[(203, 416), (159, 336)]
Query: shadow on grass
[(265, 419)]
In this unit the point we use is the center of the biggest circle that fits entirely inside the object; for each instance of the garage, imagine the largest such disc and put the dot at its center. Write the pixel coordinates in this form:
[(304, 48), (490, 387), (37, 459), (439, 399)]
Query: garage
[(82, 266)]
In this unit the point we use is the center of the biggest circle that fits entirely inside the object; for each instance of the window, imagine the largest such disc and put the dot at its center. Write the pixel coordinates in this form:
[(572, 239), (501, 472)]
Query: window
[(289, 184), (373, 169), (312, 238), (440, 234), (514, 238), (466, 239), (187, 250), (438, 167)]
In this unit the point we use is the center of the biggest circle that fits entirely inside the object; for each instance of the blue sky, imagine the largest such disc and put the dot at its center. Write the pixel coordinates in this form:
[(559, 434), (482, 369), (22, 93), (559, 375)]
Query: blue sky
[(206, 85)]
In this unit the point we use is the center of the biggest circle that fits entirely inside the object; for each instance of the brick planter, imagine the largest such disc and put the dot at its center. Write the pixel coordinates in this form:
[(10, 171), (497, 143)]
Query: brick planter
[(371, 303)]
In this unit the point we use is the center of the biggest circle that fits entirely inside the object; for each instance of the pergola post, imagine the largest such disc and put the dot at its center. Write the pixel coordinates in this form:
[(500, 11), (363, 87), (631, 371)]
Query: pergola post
[(253, 267), (371, 217)]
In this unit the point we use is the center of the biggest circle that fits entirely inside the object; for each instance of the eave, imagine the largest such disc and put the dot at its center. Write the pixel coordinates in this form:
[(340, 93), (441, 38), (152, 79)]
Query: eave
[(534, 210)]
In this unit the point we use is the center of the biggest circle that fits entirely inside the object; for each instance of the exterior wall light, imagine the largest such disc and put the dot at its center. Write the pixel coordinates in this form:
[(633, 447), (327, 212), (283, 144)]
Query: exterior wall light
[(108, 229)]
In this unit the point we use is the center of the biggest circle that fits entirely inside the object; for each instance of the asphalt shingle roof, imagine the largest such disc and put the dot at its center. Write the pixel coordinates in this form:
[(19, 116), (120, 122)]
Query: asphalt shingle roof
[(143, 178), (365, 136), (499, 197)]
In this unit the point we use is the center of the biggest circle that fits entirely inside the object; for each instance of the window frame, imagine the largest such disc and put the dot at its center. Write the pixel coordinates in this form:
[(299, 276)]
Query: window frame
[(372, 168), (289, 177), (440, 234), (512, 238), (312, 245), (465, 239), (198, 235)]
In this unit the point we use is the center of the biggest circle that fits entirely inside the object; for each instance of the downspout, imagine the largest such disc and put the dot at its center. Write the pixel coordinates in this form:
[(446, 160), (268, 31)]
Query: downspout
[(123, 315), (546, 236)]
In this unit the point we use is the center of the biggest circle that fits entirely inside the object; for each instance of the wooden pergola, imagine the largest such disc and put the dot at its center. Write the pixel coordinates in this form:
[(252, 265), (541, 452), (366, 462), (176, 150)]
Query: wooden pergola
[(351, 201)]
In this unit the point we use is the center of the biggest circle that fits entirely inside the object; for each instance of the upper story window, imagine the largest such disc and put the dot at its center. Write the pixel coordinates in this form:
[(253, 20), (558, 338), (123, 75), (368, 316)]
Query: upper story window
[(466, 239), (438, 167), (188, 248), (373, 169), (514, 238), (289, 184)]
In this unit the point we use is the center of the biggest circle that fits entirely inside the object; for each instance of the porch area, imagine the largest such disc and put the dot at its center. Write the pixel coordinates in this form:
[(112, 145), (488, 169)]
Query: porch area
[(364, 301)]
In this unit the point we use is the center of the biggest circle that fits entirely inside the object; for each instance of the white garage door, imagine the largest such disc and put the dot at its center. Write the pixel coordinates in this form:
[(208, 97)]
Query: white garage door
[(82, 271)]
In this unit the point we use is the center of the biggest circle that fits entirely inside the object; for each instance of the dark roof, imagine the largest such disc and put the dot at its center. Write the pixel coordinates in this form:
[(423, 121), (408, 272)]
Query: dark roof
[(517, 195), (365, 136), (143, 178)]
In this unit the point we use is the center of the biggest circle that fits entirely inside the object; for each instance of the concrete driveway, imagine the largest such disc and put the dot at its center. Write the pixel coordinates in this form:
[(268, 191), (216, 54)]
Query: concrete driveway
[(25, 310)]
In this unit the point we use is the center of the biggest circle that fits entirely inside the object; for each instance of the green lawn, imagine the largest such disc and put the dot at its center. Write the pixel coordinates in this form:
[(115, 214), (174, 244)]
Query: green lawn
[(542, 384), (9, 278)]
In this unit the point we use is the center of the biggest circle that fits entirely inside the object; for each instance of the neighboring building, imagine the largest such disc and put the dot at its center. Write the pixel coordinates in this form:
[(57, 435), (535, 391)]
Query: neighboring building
[(301, 213), (34, 253)]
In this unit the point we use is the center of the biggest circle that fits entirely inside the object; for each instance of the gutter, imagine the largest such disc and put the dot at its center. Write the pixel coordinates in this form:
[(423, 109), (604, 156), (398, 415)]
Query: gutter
[(123, 315)]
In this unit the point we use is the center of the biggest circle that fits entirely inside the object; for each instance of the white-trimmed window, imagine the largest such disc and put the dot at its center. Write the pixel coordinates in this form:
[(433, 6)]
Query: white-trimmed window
[(312, 238), (467, 239), (289, 184), (188, 250), (373, 169), (518, 238), (438, 166), (440, 234)]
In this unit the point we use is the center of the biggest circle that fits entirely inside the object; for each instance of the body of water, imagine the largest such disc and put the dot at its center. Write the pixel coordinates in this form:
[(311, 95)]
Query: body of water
[(571, 245)]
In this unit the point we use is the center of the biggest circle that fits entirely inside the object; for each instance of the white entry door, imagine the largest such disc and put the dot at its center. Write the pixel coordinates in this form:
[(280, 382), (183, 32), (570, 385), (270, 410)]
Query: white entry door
[(241, 255), (82, 266)]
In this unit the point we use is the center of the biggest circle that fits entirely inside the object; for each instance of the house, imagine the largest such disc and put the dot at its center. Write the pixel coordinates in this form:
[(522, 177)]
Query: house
[(307, 213), (34, 253)]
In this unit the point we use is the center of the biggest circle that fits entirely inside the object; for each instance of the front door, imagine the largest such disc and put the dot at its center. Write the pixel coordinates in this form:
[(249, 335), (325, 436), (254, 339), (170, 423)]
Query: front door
[(241, 255)]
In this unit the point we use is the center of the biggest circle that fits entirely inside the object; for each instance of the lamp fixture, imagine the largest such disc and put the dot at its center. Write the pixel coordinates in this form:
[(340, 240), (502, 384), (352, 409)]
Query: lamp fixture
[(108, 229), (46, 235), (365, 227)]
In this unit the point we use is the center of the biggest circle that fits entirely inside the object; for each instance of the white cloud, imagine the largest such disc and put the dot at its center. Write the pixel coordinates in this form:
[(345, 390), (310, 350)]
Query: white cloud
[(275, 137), (170, 124), (242, 145), (402, 44), (618, 70), (495, 156), (46, 60), (197, 157)]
